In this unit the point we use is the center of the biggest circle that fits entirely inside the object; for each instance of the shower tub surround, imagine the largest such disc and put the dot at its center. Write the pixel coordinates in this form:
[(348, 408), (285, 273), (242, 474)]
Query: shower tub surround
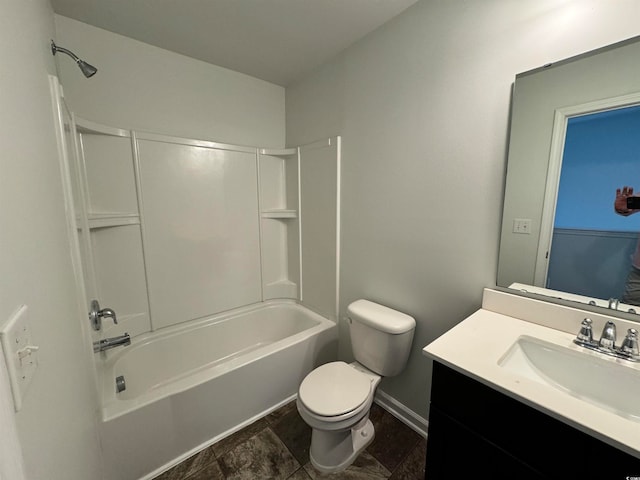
[(221, 262), (189, 386), (172, 230)]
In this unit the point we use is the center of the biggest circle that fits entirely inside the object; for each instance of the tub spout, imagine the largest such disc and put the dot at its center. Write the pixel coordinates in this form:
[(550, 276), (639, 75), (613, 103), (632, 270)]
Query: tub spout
[(107, 343)]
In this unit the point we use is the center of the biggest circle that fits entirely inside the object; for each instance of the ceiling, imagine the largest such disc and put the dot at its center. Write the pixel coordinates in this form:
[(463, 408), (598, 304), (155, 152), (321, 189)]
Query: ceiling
[(276, 40)]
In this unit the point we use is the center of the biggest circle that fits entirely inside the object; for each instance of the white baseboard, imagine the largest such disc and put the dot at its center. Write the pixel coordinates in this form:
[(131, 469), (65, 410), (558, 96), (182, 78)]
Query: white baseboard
[(407, 416)]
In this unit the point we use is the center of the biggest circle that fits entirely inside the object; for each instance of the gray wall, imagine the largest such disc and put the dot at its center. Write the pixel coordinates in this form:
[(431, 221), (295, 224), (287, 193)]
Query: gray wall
[(422, 104), (57, 425), (147, 88)]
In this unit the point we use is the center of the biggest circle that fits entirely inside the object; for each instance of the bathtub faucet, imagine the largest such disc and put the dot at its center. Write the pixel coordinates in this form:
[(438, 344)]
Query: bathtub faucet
[(107, 343)]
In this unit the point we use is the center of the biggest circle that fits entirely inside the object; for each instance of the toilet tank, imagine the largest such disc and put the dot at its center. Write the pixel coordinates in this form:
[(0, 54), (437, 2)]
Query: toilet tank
[(381, 337)]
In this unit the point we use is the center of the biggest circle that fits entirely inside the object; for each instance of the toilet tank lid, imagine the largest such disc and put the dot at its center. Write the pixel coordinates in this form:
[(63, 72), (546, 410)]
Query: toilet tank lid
[(380, 317)]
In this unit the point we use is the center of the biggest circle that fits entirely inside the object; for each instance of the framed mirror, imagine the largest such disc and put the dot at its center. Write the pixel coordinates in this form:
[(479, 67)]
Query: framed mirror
[(574, 140)]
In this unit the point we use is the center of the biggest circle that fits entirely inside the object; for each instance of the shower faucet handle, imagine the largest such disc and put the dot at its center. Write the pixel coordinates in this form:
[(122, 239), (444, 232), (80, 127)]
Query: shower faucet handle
[(96, 315)]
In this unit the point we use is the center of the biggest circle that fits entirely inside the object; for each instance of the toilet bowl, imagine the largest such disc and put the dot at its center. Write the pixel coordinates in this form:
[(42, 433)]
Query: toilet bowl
[(335, 398)]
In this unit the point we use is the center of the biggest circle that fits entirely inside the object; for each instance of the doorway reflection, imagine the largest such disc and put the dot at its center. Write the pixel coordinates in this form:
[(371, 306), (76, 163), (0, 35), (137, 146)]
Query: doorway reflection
[(592, 246)]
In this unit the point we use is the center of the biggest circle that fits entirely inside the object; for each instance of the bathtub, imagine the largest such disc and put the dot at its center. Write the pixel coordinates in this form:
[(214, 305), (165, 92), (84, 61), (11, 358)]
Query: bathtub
[(191, 385)]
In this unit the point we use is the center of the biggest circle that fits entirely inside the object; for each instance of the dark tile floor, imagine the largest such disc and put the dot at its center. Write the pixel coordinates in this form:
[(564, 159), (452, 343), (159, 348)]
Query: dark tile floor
[(277, 448)]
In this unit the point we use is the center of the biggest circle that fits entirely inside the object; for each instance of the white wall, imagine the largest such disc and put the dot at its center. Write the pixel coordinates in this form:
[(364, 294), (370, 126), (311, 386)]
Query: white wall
[(147, 88), (56, 425), (422, 104)]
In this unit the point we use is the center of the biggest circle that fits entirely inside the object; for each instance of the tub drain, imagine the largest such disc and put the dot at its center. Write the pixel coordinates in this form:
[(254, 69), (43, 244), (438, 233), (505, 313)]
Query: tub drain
[(120, 384)]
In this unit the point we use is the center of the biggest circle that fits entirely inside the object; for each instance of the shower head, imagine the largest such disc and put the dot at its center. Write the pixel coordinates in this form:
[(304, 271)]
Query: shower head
[(87, 69)]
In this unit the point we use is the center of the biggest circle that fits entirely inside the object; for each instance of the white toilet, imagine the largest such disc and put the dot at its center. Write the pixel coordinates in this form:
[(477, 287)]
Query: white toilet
[(335, 398)]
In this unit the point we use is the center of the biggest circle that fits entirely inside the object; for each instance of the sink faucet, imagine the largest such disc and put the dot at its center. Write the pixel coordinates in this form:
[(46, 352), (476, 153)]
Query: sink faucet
[(608, 337), (108, 343), (607, 344)]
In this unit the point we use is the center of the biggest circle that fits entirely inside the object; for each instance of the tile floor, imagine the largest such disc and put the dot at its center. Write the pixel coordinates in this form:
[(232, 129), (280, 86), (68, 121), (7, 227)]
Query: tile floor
[(277, 448)]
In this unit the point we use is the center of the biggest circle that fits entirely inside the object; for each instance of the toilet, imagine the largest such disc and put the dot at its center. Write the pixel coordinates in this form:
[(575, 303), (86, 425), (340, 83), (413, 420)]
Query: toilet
[(335, 398)]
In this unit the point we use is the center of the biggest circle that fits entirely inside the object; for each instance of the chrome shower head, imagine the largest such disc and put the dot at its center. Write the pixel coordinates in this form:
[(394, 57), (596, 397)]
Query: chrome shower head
[(87, 69)]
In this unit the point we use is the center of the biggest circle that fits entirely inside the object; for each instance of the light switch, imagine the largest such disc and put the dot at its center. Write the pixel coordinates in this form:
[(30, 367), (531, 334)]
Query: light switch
[(20, 353)]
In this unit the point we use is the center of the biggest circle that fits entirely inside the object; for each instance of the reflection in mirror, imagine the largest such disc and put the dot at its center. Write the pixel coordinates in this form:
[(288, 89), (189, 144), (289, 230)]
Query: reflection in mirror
[(592, 246), (574, 141)]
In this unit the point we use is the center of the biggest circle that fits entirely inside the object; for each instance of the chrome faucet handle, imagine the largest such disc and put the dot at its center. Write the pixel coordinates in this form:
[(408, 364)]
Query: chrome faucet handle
[(108, 313), (608, 337), (585, 335), (630, 343), (96, 315)]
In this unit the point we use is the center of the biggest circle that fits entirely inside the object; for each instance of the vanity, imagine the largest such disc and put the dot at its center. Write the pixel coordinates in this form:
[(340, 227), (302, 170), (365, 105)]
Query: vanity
[(514, 397)]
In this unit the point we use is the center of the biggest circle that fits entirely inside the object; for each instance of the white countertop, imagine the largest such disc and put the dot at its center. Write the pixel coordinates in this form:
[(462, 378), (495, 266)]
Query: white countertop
[(475, 346)]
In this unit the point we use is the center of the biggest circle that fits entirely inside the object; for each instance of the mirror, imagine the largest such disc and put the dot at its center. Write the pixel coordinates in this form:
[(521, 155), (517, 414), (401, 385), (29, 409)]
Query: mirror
[(560, 235)]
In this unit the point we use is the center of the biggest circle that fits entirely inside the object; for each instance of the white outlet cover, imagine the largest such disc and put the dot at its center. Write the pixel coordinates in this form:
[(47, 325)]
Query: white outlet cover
[(19, 353), (522, 225)]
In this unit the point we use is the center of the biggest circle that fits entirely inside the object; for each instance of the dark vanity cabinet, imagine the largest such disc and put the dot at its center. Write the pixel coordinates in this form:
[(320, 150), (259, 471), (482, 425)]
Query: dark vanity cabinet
[(478, 432)]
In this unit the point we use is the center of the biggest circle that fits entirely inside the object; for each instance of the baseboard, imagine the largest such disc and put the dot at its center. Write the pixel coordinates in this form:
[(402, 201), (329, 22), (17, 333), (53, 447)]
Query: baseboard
[(407, 416)]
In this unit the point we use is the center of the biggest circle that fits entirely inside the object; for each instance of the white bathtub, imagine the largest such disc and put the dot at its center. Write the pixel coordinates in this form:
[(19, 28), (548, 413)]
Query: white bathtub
[(188, 386)]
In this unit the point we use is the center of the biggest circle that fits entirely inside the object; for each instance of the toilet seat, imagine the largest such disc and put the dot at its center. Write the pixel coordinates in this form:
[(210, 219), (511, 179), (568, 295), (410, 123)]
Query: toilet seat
[(335, 391)]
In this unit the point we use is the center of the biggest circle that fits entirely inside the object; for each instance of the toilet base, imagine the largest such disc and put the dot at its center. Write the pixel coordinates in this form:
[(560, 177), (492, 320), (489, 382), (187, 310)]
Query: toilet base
[(333, 451)]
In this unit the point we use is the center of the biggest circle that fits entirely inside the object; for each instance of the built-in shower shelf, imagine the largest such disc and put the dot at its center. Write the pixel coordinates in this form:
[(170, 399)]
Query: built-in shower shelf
[(278, 152), (279, 193), (104, 220), (279, 213)]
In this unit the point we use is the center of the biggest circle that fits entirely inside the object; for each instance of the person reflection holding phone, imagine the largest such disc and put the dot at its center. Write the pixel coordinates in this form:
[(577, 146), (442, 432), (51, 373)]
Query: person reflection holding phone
[(631, 294)]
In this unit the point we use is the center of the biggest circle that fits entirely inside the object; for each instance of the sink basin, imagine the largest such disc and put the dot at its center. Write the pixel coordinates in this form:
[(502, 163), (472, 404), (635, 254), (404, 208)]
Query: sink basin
[(604, 382)]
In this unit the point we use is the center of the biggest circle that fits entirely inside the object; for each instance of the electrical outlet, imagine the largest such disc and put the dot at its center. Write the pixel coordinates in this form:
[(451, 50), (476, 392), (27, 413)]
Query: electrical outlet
[(20, 353), (522, 225)]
